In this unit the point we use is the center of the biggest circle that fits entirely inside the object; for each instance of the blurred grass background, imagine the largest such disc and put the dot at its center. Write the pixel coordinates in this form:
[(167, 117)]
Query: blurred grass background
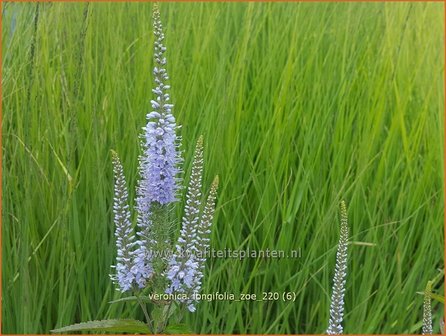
[(300, 104)]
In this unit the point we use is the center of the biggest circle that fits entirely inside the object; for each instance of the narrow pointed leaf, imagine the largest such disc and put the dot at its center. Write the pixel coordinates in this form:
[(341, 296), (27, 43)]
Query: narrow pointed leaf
[(120, 326), (132, 298)]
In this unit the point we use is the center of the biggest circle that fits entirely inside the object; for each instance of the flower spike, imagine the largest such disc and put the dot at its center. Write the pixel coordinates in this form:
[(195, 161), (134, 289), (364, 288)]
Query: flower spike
[(427, 311), (183, 264), (337, 296), (159, 162), (203, 241), (123, 232)]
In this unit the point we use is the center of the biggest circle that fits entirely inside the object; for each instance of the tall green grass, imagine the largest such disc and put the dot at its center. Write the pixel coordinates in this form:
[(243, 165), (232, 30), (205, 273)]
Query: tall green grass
[(300, 104)]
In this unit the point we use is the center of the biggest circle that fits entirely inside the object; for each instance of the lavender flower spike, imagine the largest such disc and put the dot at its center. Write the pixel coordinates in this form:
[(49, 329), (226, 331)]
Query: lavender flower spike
[(337, 297), (204, 231), (159, 163), (183, 264), (124, 233)]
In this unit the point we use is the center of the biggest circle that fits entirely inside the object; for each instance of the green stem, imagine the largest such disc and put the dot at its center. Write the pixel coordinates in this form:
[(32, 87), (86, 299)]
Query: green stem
[(146, 314), (167, 317)]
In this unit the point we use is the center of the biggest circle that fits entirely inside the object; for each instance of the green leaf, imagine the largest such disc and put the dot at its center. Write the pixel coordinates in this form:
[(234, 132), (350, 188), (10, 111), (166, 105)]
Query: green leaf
[(157, 314), (437, 297), (123, 325), (178, 329), (434, 296), (124, 299), (169, 311), (132, 298)]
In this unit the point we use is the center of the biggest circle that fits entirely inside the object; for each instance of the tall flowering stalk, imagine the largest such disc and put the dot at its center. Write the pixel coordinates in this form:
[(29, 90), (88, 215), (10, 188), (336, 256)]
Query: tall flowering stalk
[(183, 265), (203, 237), (337, 296), (187, 263), (125, 239), (427, 310), (159, 163)]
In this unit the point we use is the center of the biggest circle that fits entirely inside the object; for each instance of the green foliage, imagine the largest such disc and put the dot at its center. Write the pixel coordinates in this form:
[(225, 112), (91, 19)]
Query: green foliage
[(128, 326), (132, 299), (300, 104), (178, 329)]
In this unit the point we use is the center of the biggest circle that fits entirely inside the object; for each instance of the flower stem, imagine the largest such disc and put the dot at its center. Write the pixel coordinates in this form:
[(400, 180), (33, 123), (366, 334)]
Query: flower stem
[(146, 314), (167, 317)]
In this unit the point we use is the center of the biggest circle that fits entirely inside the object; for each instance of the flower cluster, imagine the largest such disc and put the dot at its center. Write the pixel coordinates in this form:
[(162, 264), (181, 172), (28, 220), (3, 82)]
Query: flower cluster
[(204, 231), (187, 264), (427, 310), (181, 271), (337, 297), (125, 239), (157, 187), (158, 164)]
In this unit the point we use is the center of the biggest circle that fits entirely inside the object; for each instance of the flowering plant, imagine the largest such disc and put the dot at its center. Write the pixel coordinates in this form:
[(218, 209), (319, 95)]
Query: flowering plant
[(146, 261)]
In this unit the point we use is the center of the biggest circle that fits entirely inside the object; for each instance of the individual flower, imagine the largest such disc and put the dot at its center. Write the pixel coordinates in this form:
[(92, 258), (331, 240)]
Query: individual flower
[(337, 296), (125, 239)]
